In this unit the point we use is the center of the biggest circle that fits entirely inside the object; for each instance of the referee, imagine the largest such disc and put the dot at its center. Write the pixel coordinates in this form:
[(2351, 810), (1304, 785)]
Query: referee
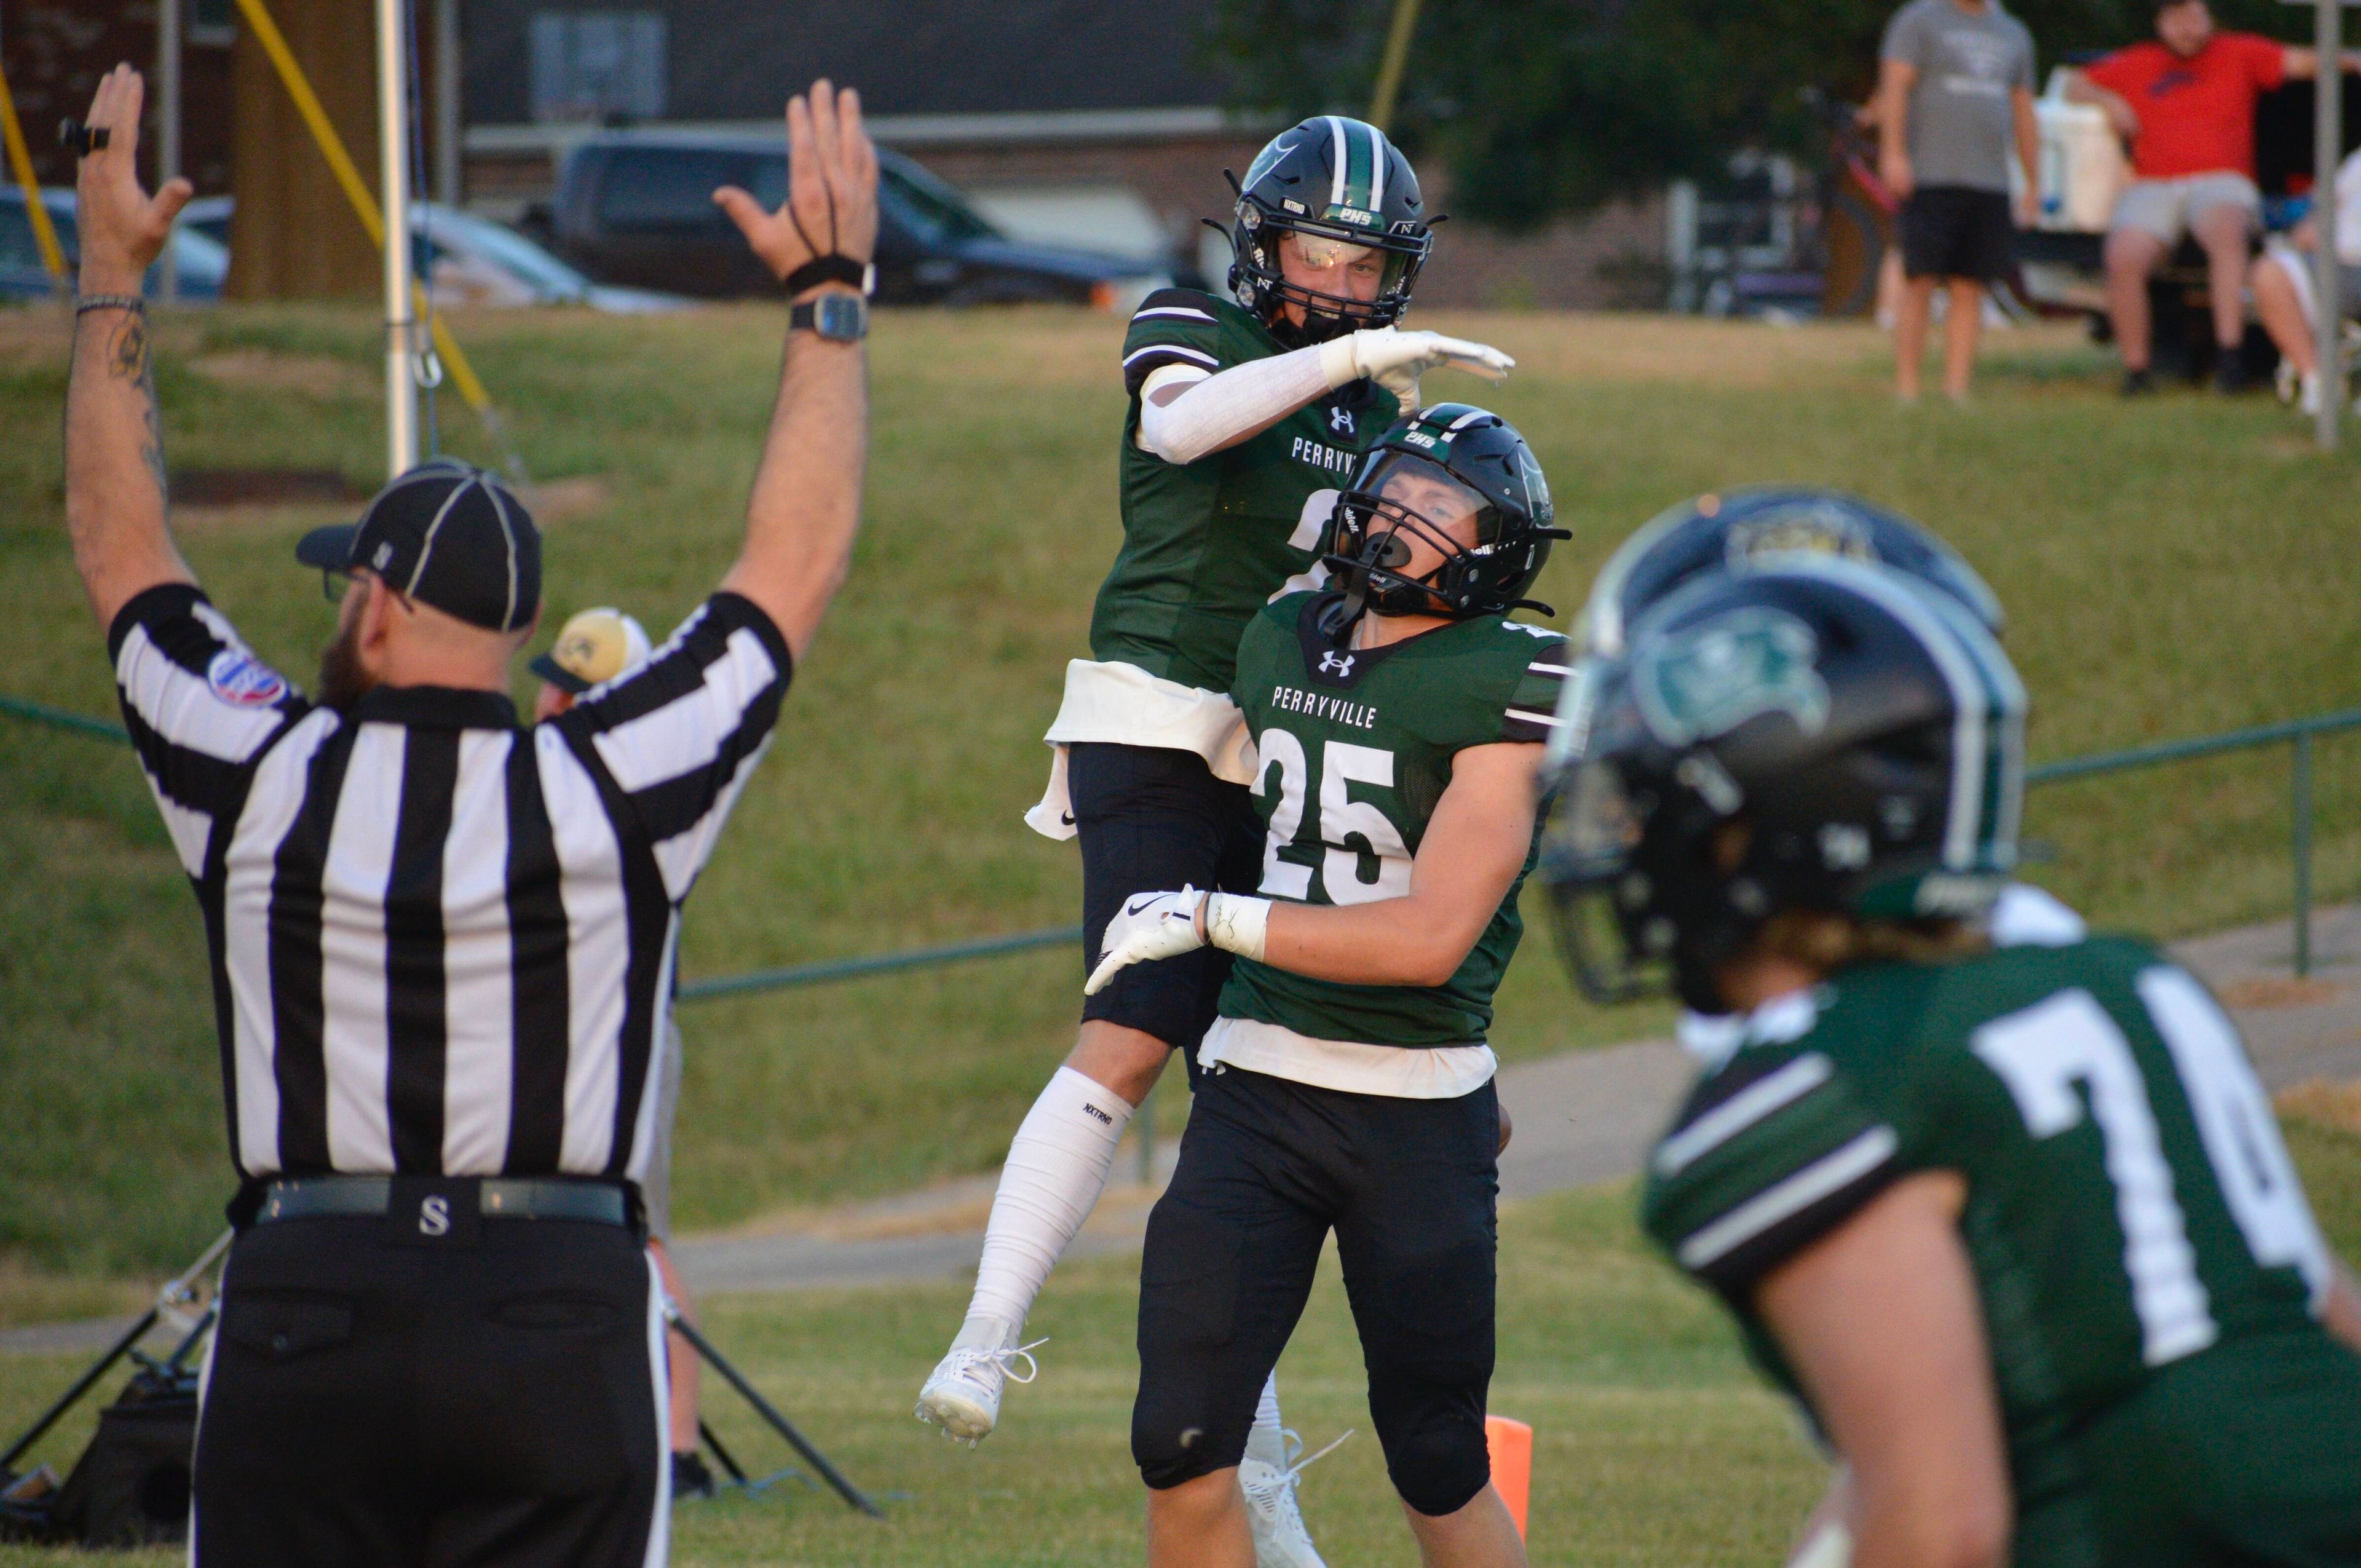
[(442, 942)]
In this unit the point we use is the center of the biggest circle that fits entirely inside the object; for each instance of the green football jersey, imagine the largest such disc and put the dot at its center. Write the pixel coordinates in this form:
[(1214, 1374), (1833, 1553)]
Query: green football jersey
[(1354, 748), (1205, 543), (2139, 1238)]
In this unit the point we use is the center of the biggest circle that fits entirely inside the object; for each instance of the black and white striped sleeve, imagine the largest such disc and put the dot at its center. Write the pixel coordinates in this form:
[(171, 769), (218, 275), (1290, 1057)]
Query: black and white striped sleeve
[(1172, 326), (1532, 711), (201, 707), (679, 737)]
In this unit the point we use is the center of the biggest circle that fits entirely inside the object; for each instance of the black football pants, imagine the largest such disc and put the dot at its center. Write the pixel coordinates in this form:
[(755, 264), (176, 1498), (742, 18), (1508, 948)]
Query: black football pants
[(370, 1404)]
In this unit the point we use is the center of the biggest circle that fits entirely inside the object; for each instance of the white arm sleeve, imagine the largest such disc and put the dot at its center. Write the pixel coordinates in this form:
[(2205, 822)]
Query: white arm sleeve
[(1219, 408)]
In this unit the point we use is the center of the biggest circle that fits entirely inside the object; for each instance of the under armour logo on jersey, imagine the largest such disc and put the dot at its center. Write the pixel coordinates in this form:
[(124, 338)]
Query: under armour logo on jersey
[(435, 1216), (1341, 421), (1337, 665)]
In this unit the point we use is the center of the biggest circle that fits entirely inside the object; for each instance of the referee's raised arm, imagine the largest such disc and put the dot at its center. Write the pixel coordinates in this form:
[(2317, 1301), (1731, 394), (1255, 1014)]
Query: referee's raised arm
[(807, 502), (115, 433)]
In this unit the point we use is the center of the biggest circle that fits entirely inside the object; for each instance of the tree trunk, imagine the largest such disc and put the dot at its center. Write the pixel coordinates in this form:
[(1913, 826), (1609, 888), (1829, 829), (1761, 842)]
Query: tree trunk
[(294, 235)]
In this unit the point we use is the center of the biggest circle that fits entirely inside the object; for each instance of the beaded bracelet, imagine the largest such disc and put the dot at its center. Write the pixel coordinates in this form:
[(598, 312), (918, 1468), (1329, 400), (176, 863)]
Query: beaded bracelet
[(108, 303)]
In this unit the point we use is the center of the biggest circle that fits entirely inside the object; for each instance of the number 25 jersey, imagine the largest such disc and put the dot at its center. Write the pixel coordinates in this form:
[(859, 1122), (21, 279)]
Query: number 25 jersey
[(1353, 749)]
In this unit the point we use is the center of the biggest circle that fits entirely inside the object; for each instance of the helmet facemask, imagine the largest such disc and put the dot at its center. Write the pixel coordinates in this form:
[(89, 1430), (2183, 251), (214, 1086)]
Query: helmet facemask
[(1263, 282), (1400, 498)]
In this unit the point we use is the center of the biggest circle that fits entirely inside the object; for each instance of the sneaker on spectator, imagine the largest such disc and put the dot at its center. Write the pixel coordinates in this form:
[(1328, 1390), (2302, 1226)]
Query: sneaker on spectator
[(2138, 383), (2230, 377)]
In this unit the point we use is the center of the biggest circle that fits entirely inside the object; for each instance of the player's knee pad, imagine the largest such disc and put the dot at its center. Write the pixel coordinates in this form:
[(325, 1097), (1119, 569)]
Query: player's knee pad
[(1439, 1464)]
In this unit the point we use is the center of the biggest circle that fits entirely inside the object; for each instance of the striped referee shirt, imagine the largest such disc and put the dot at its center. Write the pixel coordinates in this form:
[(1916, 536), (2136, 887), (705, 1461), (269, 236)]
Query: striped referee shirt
[(442, 942)]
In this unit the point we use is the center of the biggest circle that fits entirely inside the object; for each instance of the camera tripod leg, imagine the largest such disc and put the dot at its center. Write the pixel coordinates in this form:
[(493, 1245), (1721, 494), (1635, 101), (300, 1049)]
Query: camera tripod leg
[(779, 1423), (122, 1348), (728, 1463)]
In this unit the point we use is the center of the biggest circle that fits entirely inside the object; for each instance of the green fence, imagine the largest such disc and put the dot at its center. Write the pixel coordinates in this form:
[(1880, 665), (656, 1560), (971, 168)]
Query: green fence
[(2299, 735)]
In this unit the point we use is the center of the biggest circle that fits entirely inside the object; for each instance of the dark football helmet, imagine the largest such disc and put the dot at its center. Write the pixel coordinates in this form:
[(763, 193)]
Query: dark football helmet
[(1740, 529), (1468, 450), (1337, 180), (1816, 734)]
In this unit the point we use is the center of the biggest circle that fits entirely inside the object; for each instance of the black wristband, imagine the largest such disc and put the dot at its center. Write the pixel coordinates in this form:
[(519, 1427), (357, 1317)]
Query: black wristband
[(831, 269)]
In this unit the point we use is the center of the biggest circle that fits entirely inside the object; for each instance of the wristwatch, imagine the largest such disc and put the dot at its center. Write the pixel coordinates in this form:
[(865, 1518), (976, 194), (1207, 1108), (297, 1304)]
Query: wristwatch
[(839, 318)]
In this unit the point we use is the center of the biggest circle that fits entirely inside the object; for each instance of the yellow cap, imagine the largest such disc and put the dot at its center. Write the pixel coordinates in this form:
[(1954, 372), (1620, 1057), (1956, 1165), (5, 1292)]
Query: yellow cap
[(593, 647)]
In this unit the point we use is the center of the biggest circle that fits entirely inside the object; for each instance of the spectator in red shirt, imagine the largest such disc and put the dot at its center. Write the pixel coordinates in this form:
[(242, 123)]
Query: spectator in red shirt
[(2186, 105)]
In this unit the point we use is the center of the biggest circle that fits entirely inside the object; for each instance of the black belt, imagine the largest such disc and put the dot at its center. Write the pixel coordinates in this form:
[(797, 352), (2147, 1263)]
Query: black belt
[(497, 1198)]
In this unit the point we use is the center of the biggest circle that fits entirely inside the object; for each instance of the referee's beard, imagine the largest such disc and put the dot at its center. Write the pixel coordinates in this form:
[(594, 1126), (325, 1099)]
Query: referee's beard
[(342, 681)]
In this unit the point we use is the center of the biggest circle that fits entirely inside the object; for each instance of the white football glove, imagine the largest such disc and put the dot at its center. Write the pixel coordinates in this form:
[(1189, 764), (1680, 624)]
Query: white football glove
[(1164, 926), (1395, 359), (1149, 925)]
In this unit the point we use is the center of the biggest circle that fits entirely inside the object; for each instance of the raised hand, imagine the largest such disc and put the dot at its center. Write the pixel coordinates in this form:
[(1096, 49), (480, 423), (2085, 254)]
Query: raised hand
[(832, 205), (122, 228), (1395, 359)]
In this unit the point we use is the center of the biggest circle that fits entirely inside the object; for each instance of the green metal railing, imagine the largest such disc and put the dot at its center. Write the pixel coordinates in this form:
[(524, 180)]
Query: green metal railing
[(2298, 733)]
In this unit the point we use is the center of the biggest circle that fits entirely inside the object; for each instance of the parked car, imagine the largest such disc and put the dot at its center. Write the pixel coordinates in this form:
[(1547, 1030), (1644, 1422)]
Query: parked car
[(636, 207), (202, 260), (471, 260)]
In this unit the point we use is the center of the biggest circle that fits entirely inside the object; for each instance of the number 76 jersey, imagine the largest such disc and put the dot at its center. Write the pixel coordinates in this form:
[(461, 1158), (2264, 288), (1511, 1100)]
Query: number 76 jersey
[(2147, 1265), (1353, 749)]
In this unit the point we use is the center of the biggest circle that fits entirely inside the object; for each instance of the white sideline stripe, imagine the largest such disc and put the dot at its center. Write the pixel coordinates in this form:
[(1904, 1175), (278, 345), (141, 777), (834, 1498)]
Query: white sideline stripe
[(1188, 313), (1535, 715), (1791, 1197), (1171, 348), (1551, 669), (1742, 1110)]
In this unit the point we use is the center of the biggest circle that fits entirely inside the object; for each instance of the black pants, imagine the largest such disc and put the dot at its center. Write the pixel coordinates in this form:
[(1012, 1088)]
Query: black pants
[(374, 1405), (1152, 819), (1267, 1167)]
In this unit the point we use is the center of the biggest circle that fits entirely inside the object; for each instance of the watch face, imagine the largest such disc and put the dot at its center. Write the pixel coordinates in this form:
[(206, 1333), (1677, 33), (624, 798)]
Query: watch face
[(844, 317)]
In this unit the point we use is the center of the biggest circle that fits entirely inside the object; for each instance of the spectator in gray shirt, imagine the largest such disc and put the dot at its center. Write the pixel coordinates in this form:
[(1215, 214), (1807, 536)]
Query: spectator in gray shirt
[(1955, 80)]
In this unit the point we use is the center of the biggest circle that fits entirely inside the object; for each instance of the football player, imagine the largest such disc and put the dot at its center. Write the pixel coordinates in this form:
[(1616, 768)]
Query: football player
[(1738, 530), (2016, 1224), (1397, 717), (1245, 415)]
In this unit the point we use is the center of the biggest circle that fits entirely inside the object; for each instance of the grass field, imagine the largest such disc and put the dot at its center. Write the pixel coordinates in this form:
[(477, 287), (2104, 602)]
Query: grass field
[(2173, 568), (1655, 1446)]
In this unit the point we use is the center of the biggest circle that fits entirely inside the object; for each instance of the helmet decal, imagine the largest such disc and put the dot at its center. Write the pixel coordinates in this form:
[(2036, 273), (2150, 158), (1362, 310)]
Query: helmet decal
[(1705, 681)]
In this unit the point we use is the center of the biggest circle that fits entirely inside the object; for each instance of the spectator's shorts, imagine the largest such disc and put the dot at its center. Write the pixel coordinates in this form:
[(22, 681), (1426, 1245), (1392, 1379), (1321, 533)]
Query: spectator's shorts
[(2298, 266), (2166, 208), (1955, 231)]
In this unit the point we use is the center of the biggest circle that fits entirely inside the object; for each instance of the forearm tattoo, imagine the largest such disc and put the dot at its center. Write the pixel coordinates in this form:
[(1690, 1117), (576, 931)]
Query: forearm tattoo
[(129, 358)]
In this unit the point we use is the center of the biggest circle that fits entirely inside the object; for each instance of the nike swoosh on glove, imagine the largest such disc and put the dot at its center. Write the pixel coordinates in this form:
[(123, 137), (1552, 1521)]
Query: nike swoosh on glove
[(1395, 359), (1149, 925)]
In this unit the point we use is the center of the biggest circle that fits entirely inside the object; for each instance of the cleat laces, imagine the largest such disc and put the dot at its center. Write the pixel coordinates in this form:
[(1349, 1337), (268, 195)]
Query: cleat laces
[(1276, 1491)]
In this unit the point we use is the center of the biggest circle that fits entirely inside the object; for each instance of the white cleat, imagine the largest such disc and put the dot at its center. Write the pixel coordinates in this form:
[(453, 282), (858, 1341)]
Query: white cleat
[(962, 1394), (1281, 1538)]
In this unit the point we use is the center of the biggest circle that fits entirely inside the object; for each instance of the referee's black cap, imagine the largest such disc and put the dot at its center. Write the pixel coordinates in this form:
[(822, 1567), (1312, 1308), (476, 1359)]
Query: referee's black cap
[(446, 534)]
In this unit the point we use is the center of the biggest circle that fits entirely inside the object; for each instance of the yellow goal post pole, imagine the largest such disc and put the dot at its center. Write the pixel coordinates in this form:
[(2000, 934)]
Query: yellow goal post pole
[(340, 164), (1390, 66), (20, 161)]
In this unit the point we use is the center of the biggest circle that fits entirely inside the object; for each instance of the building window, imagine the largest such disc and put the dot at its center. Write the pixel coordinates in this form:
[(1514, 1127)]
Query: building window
[(597, 65)]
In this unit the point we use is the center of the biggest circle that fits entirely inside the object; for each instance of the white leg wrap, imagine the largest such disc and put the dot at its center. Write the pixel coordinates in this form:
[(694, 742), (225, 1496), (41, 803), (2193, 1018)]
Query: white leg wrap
[(1057, 1166)]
